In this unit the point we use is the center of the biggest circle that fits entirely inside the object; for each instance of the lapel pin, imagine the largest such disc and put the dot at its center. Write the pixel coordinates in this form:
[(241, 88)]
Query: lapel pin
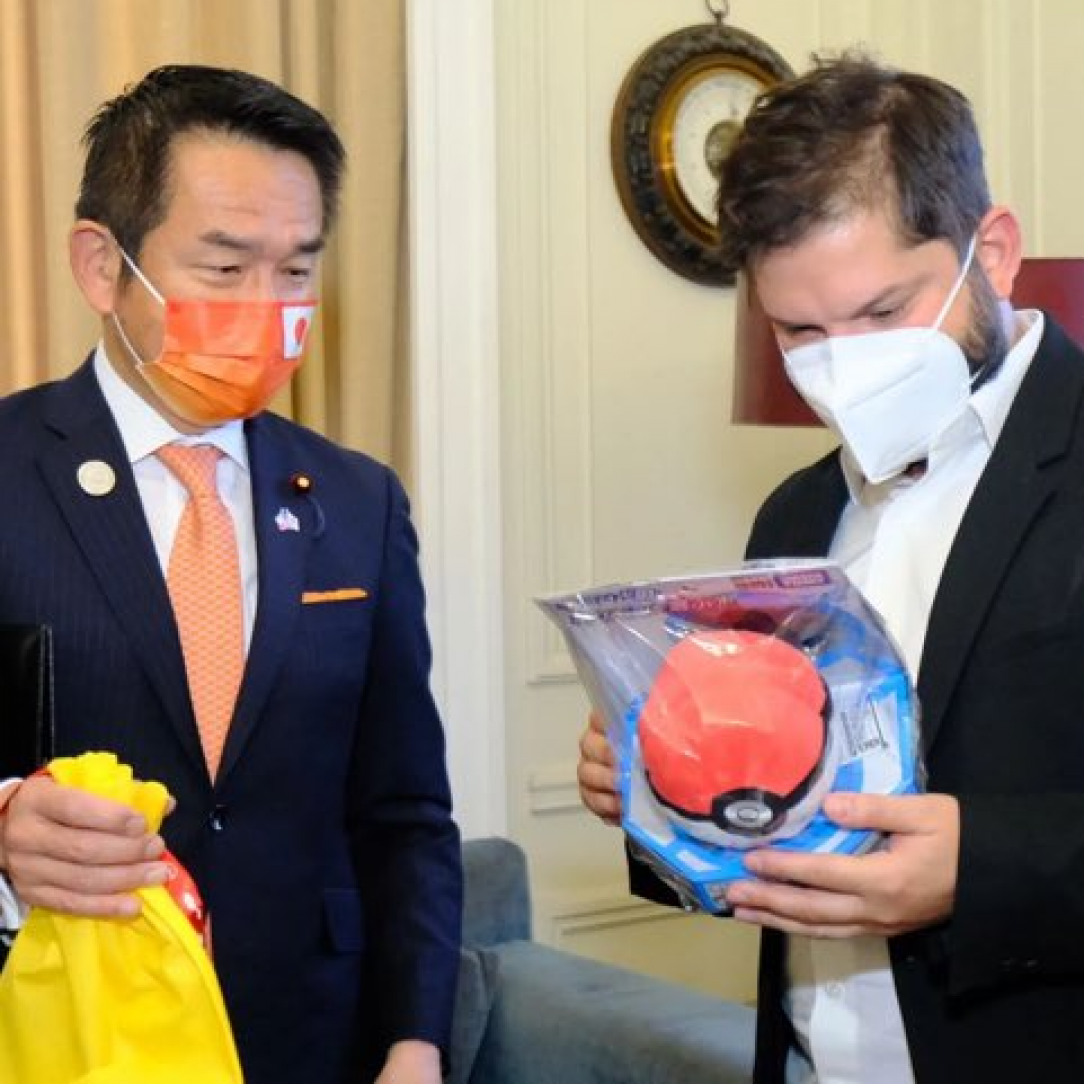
[(303, 485), (96, 478), (287, 521)]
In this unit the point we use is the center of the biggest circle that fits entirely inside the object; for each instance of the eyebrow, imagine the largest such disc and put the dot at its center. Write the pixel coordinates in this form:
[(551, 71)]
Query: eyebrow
[(892, 296), (221, 239)]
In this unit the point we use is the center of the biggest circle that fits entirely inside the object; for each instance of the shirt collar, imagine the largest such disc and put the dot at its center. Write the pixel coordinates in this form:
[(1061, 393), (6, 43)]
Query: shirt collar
[(143, 430), (993, 401), (986, 414)]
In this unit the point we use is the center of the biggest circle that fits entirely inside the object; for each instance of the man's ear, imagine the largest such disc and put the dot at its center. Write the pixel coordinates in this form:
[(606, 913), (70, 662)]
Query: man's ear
[(999, 249), (95, 264)]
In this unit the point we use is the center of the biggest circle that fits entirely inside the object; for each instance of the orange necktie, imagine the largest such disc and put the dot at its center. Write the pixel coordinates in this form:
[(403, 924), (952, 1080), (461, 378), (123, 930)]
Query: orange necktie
[(204, 580)]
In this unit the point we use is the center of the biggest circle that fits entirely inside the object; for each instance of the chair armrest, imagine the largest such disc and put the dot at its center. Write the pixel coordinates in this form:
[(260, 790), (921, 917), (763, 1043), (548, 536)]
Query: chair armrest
[(496, 893), (558, 1018)]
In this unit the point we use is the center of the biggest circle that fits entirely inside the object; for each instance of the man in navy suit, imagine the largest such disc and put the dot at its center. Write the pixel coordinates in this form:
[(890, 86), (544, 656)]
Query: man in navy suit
[(857, 202), (320, 835)]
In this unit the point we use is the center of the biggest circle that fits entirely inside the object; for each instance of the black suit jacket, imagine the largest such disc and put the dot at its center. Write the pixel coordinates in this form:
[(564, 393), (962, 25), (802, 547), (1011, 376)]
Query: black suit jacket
[(325, 849), (997, 993)]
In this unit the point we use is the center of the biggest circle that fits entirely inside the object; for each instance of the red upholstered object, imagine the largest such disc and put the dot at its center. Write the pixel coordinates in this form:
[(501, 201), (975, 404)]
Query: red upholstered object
[(764, 396), (731, 713), (1056, 284), (762, 393)]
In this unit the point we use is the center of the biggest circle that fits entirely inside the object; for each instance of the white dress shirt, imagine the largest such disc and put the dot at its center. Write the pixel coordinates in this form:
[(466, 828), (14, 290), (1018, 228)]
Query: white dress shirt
[(893, 541), (143, 431)]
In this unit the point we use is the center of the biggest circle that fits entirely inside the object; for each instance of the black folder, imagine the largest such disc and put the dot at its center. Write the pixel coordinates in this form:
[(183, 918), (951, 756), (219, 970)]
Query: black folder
[(26, 708), (26, 699)]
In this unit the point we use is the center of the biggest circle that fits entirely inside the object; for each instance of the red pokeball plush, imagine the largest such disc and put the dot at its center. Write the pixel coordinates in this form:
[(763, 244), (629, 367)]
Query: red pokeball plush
[(734, 732)]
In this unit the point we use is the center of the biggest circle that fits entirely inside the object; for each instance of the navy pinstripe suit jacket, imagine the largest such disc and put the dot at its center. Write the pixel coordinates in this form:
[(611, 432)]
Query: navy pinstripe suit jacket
[(325, 849)]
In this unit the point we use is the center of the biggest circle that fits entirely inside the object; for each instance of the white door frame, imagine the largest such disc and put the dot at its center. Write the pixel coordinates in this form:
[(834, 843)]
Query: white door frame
[(452, 169)]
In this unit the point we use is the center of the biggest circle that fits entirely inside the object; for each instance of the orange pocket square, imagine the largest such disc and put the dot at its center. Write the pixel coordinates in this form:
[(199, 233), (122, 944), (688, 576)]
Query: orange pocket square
[(341, 594)]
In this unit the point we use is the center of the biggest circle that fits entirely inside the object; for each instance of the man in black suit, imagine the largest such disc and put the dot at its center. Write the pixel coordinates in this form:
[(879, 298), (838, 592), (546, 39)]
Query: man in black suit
[(857, 202), (314, 814)]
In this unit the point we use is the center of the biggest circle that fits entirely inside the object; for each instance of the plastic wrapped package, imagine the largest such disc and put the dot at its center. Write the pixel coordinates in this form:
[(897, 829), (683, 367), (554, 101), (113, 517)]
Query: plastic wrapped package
[(735, 702)]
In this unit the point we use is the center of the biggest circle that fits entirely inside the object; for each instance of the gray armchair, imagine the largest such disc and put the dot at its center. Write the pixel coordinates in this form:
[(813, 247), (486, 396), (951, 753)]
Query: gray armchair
[(530, 1014)]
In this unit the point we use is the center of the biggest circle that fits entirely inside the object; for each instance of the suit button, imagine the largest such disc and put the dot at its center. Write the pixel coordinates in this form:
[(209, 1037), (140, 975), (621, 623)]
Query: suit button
[(217, 819)]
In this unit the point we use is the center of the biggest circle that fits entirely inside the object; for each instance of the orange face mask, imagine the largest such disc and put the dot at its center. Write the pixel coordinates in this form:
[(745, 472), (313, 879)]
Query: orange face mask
[(222, 360)]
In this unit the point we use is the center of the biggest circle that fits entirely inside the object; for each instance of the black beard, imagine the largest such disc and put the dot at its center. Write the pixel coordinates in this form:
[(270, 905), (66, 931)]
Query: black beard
[(986, 343)]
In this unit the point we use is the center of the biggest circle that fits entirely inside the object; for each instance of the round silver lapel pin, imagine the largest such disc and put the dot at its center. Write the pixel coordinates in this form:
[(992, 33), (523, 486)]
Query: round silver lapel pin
[(96, 478)]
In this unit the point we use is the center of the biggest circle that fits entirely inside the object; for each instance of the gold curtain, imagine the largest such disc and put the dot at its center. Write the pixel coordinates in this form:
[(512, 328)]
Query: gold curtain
[(60, 58)]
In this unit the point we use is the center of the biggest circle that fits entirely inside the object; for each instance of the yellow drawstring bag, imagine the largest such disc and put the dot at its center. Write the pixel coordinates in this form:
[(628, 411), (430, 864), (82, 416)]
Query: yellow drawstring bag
[(113, 1001)]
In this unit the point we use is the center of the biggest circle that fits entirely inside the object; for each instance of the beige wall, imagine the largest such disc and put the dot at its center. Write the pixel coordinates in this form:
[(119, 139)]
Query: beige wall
[(617, 455)]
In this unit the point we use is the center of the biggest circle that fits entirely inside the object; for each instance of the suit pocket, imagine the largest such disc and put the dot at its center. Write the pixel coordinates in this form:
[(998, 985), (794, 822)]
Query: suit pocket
[(338, 594), (343, 920), (348, 613)]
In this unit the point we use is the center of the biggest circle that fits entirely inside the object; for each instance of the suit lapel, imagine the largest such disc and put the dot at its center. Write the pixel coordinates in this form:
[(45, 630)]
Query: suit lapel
[(111, 532), (1019, 480), (800, 520), (282, 554)]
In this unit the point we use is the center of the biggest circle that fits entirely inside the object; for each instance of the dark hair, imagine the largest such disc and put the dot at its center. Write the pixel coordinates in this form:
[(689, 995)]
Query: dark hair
[(125, 182), (853, 135)]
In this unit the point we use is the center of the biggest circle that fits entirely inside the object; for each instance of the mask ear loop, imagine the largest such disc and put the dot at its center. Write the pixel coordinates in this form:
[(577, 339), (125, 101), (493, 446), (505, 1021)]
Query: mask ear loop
[(147, 284), (134, 268), (979, 374), (140, 363), (958, 285)]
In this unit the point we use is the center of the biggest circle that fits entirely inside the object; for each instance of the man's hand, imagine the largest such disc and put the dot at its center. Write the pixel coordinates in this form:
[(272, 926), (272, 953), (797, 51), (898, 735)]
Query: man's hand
[(597, 772), (909, 884), (411, 1062), (74, 852)]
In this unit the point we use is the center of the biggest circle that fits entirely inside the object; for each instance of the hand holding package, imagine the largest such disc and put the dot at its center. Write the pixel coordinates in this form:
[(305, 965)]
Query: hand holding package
[(735, 701)]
